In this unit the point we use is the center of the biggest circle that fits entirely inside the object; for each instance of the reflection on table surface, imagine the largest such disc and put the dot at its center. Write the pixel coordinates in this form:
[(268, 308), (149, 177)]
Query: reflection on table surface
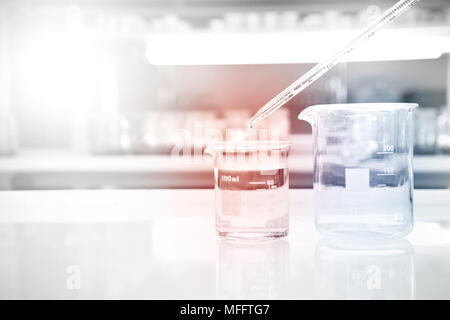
[(252, 270), (181, 258), (365, 270)]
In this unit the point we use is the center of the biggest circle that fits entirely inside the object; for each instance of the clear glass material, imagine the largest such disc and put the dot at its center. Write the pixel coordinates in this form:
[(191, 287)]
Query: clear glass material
[(251, 189), (444, 132), (363, 182)]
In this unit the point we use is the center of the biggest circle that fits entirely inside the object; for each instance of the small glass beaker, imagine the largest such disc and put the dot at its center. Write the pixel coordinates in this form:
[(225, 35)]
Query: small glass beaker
[(251, 189), (363, 182)]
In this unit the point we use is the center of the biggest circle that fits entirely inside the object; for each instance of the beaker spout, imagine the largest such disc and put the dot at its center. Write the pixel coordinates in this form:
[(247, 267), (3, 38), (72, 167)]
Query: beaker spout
[(308, 114), (209, 150)]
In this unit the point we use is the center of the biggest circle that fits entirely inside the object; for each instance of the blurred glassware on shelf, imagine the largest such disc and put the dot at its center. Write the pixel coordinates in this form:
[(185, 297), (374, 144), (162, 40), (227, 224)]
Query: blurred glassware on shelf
[(234, 21), (8, 134), (271, 20), (164, 95), (443, 140), (365, 16), (289, 20), (195, 125), (374, 89), (170, 23), (312, 20), (216, 25), (109, 133), (252, 21), (426, 131), (155, 133), (331, 18), (158, 132), (301, 19), (336, 85), (236, 118)]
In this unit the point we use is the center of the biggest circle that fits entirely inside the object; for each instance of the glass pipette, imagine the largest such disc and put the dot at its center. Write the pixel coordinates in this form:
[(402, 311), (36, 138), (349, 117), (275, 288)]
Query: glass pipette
[(320, 69)]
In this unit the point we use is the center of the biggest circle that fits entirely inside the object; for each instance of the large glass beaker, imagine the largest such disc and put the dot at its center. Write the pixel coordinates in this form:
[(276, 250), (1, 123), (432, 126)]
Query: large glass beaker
[(363, 182)]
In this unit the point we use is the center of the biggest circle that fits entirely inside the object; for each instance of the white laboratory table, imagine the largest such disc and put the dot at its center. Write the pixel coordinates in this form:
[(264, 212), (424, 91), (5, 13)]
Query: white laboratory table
[(161, 244)]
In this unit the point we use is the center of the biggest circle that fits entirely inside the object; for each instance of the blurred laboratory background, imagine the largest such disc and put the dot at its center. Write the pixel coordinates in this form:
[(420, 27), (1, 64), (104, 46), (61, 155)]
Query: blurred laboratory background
[(128, 93)]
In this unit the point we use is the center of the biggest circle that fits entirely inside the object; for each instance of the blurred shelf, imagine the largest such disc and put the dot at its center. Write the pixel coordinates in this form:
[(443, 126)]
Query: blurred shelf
[(432, 164), (54, 170), (54, 161), (42, 161)]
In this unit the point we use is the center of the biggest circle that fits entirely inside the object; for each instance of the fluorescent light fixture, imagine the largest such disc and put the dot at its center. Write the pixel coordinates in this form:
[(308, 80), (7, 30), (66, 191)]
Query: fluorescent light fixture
[(292, 47)]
